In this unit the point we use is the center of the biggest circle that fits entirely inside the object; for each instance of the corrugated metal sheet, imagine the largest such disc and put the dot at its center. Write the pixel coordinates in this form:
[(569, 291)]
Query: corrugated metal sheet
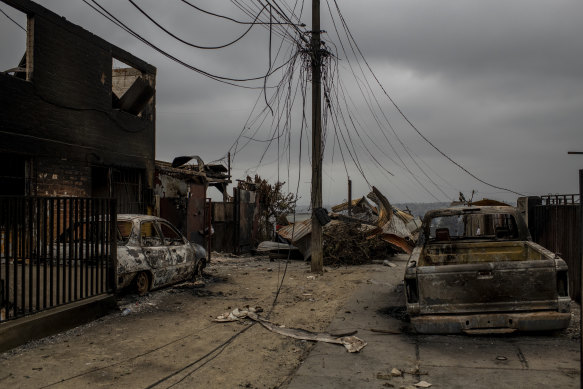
[(396, 226), (268, 246), (398, 241), (304, 229), (297, 231), (355, 202)]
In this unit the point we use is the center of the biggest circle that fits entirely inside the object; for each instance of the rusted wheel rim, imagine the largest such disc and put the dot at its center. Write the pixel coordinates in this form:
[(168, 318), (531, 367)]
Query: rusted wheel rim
[(142, 283)]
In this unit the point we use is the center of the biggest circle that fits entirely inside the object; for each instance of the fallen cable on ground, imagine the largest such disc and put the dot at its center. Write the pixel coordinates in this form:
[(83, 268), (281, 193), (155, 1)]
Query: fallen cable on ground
[(352, 343)]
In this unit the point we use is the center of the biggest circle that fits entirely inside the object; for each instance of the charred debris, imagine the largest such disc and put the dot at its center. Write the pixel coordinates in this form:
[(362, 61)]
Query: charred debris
[(367, 229)]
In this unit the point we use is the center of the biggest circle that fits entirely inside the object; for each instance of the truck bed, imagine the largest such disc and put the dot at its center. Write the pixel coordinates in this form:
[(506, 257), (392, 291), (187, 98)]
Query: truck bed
[(438, 254)]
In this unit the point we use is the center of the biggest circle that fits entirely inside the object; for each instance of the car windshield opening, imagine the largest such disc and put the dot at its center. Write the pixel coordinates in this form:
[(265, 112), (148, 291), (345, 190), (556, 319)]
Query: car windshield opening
[(124, 230), (500, 226)]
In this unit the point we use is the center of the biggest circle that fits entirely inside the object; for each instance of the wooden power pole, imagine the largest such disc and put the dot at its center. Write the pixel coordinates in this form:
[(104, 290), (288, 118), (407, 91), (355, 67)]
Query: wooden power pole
[(317, 264)]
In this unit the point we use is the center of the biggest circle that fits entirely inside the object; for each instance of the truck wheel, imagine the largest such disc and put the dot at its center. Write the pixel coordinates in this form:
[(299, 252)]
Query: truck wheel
[(142, 282)]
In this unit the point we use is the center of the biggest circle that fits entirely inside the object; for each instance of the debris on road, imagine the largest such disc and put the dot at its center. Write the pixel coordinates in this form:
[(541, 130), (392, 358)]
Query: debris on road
[(396, 372), (361, 236), (423, 384), (352, 344)]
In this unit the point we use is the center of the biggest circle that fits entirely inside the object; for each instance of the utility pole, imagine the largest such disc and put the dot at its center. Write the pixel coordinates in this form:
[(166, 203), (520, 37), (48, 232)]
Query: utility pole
[(317, 264), (349, 197)]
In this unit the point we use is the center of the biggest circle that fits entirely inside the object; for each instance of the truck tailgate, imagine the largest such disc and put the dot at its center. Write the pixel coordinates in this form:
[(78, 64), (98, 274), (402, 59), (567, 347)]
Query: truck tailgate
[(487, 287)]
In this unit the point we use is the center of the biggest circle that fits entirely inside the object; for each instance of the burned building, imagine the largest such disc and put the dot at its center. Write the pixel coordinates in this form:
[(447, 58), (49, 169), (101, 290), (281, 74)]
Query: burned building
[(77, 116), (181, 195)]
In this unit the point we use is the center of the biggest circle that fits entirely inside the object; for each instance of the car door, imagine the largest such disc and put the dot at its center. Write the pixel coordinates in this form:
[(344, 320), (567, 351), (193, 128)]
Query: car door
[(156, 253), (181, 251)]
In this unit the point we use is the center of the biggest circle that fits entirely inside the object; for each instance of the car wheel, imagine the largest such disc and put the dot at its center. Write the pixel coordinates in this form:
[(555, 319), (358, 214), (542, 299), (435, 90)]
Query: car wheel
[(142, 282), (199, 266)]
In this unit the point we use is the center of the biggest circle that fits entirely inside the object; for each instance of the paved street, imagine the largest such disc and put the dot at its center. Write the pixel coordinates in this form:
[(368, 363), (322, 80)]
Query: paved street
[(168, 337), (445, 361)]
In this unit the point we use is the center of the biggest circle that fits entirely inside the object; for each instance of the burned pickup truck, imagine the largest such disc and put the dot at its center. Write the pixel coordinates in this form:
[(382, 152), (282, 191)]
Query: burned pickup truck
[(475, 269)]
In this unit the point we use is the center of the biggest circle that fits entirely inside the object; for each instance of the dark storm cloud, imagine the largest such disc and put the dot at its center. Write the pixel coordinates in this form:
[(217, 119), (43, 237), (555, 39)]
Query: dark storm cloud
[(496, 85)]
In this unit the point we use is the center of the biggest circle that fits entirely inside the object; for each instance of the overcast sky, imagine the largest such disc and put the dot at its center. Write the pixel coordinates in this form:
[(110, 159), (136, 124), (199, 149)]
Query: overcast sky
[(496, 85)]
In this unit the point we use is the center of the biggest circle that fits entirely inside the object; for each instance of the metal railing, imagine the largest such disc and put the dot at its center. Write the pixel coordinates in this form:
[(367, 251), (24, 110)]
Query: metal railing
[(560, 199), (54, 251)]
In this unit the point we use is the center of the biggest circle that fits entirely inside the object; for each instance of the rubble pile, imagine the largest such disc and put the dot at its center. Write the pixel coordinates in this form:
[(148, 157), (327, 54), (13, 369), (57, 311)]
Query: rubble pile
[(358, 233), (350, 244)]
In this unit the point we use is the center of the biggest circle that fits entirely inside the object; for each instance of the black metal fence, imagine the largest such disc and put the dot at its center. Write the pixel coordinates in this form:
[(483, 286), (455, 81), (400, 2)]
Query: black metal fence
[(54, 251), (556, 225)]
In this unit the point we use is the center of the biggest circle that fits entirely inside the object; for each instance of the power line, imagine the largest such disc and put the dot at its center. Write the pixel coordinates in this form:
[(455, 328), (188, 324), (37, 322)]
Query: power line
[(351, 37), (227, 80), (13, 21), (226, 17), (192, 44)]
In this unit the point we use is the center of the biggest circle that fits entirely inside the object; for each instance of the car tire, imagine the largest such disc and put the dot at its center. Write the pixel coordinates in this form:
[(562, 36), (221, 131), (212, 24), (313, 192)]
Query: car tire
[(199, 267), (142, 283)]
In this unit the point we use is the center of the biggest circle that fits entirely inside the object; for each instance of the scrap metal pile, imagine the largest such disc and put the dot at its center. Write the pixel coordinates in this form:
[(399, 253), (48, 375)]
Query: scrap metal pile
[(351, 244), (359, 232)]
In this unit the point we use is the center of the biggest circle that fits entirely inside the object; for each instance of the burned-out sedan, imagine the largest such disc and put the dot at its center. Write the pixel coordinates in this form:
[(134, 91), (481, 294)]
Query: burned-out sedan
[(476, 269), (152, 253)]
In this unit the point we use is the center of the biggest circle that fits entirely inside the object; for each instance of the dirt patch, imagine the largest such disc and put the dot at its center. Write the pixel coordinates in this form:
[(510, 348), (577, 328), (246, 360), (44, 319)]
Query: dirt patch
[(168, 337)]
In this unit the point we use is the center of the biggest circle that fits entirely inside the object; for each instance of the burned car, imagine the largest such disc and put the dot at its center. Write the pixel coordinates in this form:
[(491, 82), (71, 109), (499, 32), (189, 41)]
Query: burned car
[(152, 253), (476, 269)]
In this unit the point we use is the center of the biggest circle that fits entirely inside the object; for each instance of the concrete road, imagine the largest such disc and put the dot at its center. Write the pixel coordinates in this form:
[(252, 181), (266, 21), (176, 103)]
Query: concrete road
[(445, 361)]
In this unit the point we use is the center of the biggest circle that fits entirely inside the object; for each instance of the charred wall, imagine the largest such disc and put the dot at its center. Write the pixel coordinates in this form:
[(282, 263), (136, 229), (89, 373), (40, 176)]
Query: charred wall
[(63, 115)]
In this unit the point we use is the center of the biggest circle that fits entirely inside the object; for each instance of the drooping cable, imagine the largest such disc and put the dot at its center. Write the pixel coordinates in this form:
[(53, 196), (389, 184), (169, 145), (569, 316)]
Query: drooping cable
[(12, 20)]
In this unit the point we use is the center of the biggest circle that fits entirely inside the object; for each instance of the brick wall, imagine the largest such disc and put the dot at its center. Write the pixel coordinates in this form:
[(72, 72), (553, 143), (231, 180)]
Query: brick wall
[(62, 177)]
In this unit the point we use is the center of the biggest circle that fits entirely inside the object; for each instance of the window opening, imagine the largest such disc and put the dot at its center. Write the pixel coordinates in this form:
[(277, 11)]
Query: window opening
[(149, 235), (132, 91), (124, 229), (473, 226), (15, 26), (171, 236)]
